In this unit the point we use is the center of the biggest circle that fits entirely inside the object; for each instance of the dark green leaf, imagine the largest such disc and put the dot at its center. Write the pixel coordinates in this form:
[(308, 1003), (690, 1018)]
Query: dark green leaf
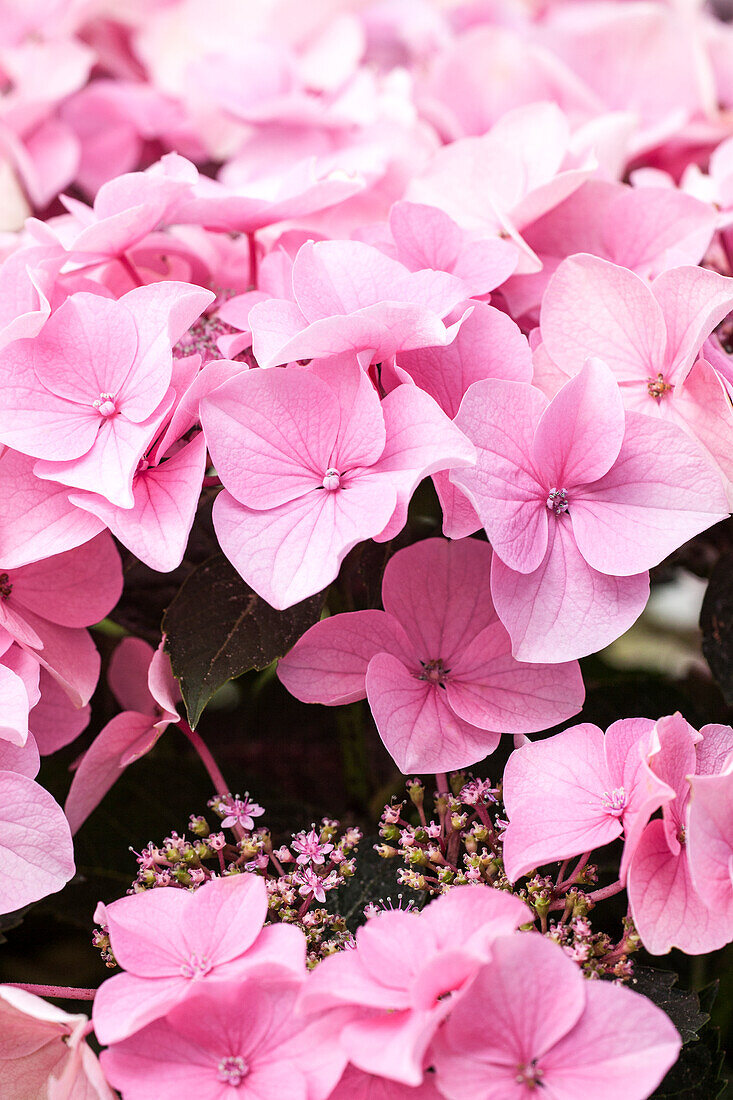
[(217, 628), (697, 1073), (681, 1005)]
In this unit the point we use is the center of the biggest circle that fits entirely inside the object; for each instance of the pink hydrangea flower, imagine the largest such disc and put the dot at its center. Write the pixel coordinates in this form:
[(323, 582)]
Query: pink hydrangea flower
[(488, 345), (645, 229), (169, 939), (436, 664), (19, 681), (240, 811), (386, 309), (40, 609), (55, 721), (599, 1039), (36, 850), (577, 791), (650, 337), (89, 426), (313, 463), (37, 518), (710, 837), (229, 1039), (667, 909), (309, 847), (43, 1051), (502, 181), (578, 499), (407, 972), (129, 207), (421, 236), (142, 682)]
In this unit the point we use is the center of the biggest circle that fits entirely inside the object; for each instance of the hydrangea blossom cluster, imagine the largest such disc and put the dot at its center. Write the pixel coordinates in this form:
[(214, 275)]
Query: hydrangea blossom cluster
[(291, 261), (298, 876)]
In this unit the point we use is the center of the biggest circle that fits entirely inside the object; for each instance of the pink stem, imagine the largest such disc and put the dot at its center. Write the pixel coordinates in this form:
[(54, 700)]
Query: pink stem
[(580, 866), (441, 782), (606, 892), (68, 992), (130, 269), (220, 785), (252, 260), (209, 481)]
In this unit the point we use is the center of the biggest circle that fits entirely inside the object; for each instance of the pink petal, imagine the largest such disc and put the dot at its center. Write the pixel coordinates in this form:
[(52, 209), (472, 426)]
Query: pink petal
[(35, 421), (127, 675), (488, 345), (124, 739), (52, 588), (38, 519), (710, 839), (271, 435), (667, 910), (361, 434), (289, 553), (416, 724), (712, 752), (459, 515), (109, 466), (553, 793), (526, 973), (55, 721), (226, 918), (490, 689), (25, 759), (473, 918), (85, 349), (659, 493), (420, 441), (702, 407), (580, 433), (126, 1003), (383, 330), (164, 687), (329, 663), (628, 743), (564, 609), (594, 308), (622, 1045), (436, 590), (165, 496), (162, 313), (35, 843), (393, 1045), (501, 418), (693, 301), (344, 980), (69, 654), (13, 708)]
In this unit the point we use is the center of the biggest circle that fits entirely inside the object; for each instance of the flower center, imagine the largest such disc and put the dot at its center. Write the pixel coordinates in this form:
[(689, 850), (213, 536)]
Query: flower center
[(5, 586), (530, 1074), (232, 1071), (557, 501), (657, 387), (434, 672), (331, 479), (615, 801), (196, 967), (105, 404)]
